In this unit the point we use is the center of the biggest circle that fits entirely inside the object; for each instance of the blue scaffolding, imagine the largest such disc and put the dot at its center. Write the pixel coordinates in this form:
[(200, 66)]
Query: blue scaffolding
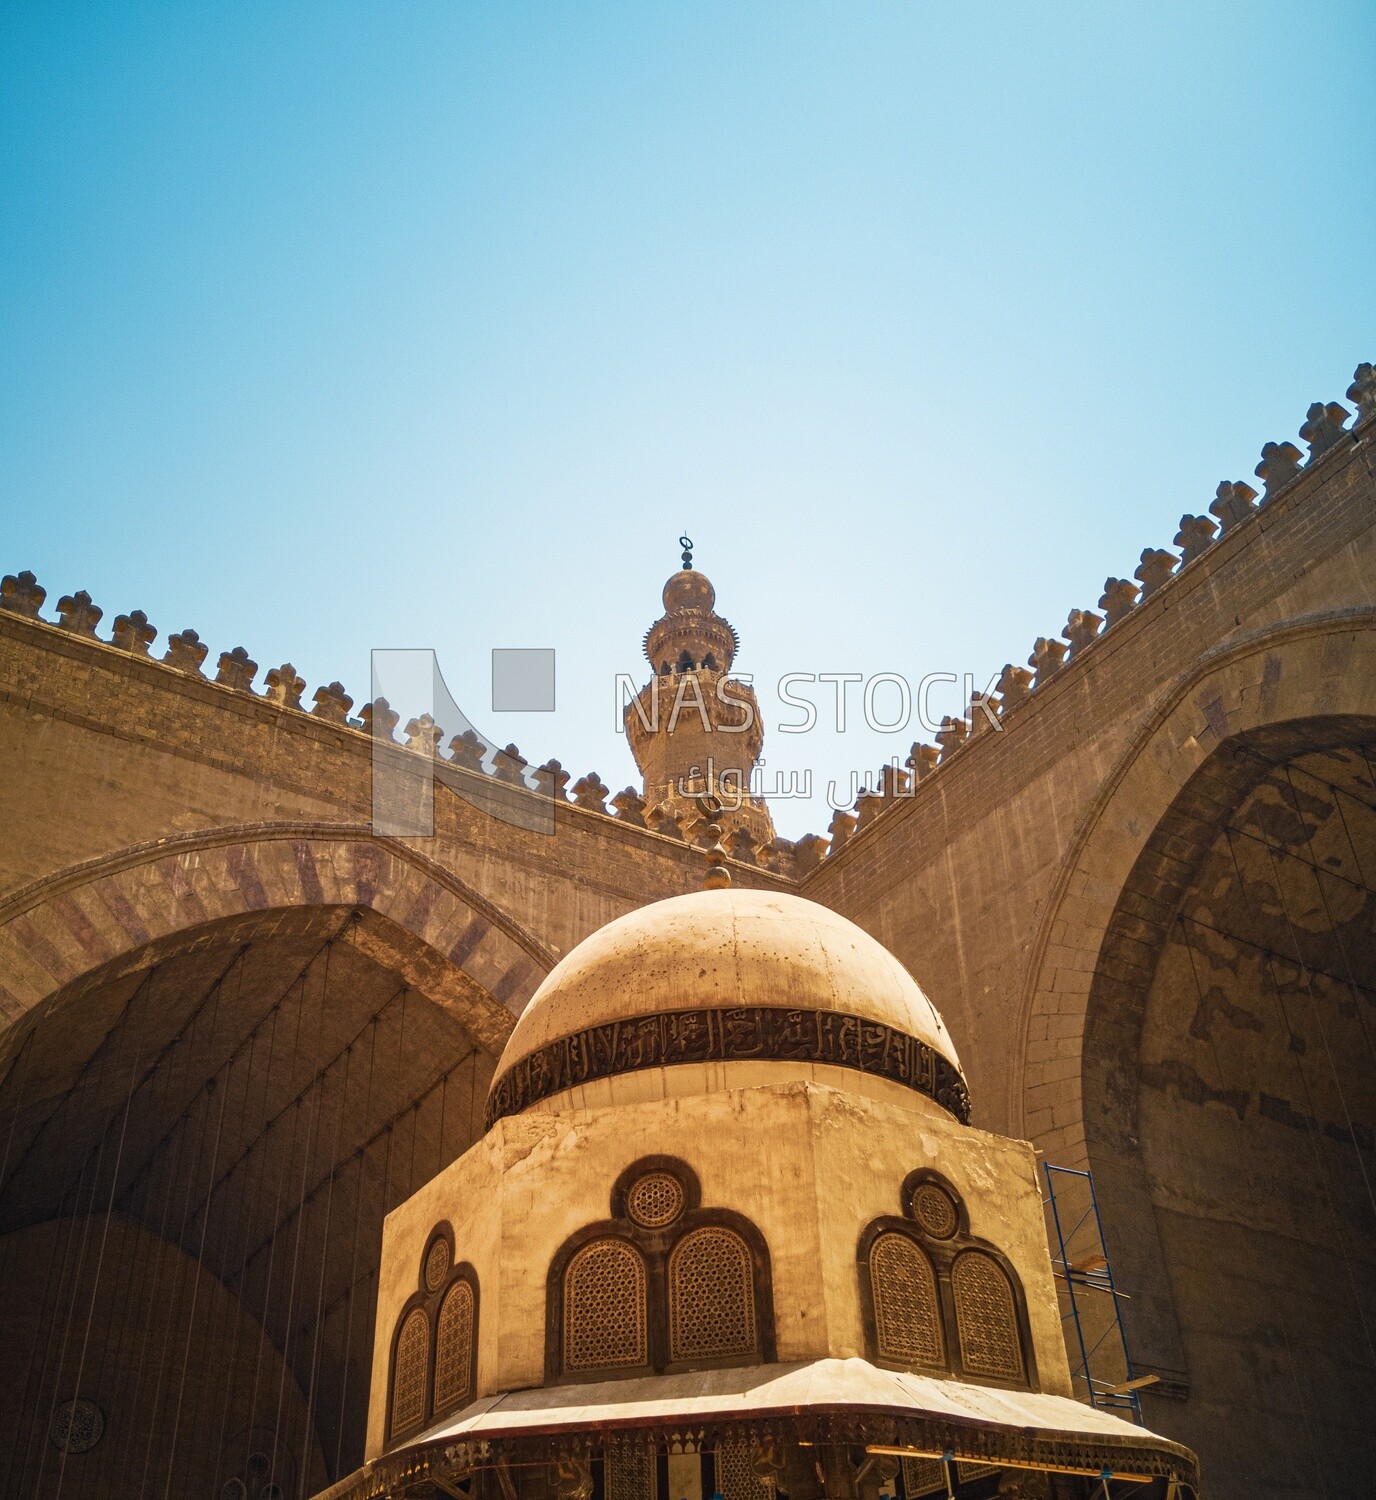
[(1089, 1300)]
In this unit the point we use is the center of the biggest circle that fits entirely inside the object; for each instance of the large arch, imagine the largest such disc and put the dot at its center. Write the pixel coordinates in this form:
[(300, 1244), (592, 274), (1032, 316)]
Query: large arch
[(1223, 881), (230, 1057)]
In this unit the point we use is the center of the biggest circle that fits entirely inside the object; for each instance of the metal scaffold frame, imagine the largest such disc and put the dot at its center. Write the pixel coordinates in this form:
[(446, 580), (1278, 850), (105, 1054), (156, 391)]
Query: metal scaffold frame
[(1081, 1266)]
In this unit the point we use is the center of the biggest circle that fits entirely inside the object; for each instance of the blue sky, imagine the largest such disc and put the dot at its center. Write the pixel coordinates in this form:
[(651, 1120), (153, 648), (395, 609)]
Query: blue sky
[(332, 327)]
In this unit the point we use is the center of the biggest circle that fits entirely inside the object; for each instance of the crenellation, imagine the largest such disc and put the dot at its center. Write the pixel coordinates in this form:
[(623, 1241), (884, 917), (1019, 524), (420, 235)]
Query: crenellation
[(590, 792), (466, 750), (332, 704), (1156, 568), (552, 779), (922, 759), (842, 827), (664, 820), (133, 633), (423, 735), (1323, 426), (951, 737), (1081, 629), (236, 670), (380, 720), (185, 653), (630, 807), (78, 615), (868, 805), (22, 594), (285, 686), (509, 766), (1233, 504), (1362, 394), (1195, 536), (741, 847), (1118, 600), (1280, 464), (808, 853), (1014, 687), (1046, 660)]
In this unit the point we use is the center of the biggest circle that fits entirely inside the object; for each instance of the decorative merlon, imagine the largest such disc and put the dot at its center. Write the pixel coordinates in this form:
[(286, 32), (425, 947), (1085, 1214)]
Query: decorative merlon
[(236, 670)]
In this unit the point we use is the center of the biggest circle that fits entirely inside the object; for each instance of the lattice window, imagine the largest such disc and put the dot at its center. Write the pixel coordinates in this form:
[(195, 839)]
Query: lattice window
[(934, 1210), (923, 1476), (736, 1476), (436, 1264), (629, 1474), (409, 1373), (604, 1307), (454, 1348), (986, 1317), (907, 1315), (711, 1296), (655, 1200)]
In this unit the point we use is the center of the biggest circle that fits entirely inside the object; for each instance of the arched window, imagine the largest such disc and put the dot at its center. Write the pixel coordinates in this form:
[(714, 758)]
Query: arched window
[(907, 1314), (986, 1318), (711, 1296), (454, 1349), (410, 1367), (604, 1307)]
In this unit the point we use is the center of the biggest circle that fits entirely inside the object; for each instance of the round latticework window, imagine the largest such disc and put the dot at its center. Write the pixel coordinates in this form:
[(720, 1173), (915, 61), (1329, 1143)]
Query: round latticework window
[(934, 1211), (656, 1200), (437, 1264)]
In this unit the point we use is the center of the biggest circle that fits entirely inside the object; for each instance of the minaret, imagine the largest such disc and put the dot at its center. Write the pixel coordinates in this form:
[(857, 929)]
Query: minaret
[(694, 728)]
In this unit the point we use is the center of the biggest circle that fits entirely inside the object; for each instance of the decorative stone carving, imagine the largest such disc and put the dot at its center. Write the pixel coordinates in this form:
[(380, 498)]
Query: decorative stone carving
[(133, 633), (508, 766), (1280, 463), (1323, 426), (76, 613), (922, 759), (1362, 394), (236, 670), (379, 719), (808, 853), (1046, 660), (1233, 504), (984, 713), (1154, 569), (186, 652), (1014, 687), (590, 791), (1118, 600), (868, 806), (423, 735), (663, 819), (551, 779), (951, 736), (726, 1034), (1196, 534), (630, 807), (332, 704), (842, 826), (467, 750), (894, 783), (741, 846), (1080, 629), (284, 687), (22, 594)]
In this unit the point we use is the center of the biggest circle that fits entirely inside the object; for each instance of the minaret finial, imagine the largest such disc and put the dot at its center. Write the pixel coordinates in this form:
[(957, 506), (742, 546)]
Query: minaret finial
[(686, 542), (718, 877)]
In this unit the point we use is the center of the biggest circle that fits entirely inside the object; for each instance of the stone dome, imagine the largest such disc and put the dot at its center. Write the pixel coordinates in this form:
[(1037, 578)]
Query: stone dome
[(725, 976), (689, 589)]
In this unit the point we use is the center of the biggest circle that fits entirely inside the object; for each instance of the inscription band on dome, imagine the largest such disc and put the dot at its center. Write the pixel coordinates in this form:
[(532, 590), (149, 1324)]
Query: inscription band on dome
[(755, 1033)]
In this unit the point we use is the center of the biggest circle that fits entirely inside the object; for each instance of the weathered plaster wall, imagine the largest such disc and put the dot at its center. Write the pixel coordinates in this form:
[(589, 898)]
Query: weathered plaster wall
[(836, 1161)]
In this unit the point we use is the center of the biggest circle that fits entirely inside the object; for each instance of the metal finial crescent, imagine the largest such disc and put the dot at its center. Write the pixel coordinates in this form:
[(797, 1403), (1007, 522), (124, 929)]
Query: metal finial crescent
[(686, 542)]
